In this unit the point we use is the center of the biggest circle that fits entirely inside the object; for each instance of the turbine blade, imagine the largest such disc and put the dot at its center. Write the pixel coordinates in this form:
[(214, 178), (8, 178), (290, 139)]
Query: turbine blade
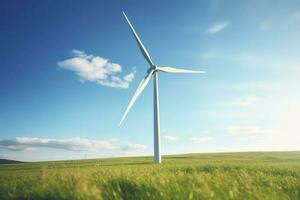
[(139, 90), (175, 70), (139, 42)]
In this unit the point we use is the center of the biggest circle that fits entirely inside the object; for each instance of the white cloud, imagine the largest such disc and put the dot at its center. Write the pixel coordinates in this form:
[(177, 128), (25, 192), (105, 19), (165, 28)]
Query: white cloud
[(245, 101), (216, 27), (200, 140), (129, 77), (274, 123), (96, 69), (269, 139), (170, 138), (73, 144)]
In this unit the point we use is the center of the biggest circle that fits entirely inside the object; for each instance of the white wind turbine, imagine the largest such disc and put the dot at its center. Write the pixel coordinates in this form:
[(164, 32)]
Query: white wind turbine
[(153, 70)]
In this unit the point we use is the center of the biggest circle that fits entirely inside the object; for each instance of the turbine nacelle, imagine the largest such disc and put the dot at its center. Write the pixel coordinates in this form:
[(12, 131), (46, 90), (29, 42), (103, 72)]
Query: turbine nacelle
[(152, 68)]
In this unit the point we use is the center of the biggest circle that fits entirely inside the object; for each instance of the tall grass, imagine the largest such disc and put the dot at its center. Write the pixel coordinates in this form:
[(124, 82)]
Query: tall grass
[(196, 176)]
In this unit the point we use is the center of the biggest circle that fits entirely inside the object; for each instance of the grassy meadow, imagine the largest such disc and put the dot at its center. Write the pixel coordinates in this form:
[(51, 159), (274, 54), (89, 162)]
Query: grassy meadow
[(257, 175)]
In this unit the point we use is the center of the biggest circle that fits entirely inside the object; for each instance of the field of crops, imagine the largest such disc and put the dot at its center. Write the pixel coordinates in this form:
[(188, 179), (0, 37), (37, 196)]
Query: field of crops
[(264, 175)]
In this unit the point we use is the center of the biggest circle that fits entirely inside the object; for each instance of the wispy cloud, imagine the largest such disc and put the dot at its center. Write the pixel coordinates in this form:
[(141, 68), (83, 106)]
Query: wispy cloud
[(209, 55), (249, 130), (4, 156), (294, 16), (200, 140), (265, 25), (96, 69), (170, 138), (216, 27), (73, 144), (134, 147), (245, 101)]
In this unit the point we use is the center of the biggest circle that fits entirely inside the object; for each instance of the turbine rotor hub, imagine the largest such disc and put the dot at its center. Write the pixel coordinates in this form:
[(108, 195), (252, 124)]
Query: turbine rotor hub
[(153, 67)]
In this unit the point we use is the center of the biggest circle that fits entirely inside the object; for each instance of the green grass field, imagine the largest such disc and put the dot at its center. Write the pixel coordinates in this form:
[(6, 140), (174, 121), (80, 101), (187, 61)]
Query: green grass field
[(266, 175)]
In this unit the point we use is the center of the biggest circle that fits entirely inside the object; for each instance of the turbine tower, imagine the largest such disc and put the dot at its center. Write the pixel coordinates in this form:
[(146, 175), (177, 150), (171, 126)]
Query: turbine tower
[(152, 71)]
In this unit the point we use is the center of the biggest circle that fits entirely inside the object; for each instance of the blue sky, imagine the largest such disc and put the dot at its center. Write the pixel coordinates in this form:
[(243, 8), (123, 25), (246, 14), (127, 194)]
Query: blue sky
[(68, 71)]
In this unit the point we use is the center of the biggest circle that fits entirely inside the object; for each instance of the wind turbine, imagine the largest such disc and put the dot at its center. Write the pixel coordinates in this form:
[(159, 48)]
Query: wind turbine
[(152, 71)]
